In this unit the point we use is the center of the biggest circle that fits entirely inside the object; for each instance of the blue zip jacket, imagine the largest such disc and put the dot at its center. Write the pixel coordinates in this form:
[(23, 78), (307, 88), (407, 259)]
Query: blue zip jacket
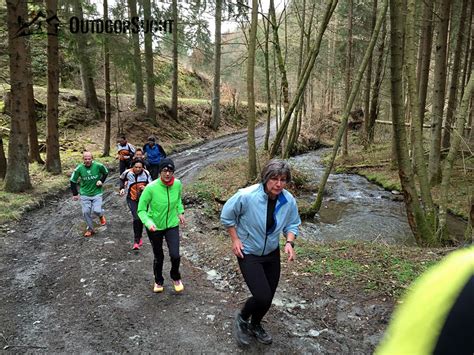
[(154, 154), (247, 212)]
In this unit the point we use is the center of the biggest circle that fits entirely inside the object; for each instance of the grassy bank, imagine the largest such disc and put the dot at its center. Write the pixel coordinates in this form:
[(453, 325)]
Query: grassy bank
[(44, 185), (371, 267)]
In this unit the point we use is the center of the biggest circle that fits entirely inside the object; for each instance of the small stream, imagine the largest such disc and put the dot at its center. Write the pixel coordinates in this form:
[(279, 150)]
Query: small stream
[(354, 208)]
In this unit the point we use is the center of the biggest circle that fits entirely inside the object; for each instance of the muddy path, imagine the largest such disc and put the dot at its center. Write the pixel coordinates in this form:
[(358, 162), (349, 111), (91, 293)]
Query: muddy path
[(61, 292), (190, 161)]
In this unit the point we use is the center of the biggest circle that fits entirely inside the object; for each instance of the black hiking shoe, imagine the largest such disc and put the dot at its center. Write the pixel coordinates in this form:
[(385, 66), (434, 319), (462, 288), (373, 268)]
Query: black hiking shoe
[(260, 333), (242, 333)]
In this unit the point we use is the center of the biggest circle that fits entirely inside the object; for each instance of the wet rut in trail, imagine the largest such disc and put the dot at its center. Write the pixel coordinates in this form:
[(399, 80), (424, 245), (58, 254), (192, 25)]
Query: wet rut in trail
[(190, 161)]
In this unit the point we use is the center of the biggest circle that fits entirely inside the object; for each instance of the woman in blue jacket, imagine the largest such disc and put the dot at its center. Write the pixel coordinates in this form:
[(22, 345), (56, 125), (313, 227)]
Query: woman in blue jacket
[(255, 217)]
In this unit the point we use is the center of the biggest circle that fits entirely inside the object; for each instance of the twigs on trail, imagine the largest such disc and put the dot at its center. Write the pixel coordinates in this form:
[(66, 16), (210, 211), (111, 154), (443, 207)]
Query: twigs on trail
[(6, 347)]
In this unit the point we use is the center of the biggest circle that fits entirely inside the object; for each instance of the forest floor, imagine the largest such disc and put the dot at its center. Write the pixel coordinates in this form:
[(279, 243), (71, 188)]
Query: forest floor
[(67, 293)]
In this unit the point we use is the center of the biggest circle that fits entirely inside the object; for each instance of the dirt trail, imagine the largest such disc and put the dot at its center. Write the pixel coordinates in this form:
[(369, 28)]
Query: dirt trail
[(62, 292)]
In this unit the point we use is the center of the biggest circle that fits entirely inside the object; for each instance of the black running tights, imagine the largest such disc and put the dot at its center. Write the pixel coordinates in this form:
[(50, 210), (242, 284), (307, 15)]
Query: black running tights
[(261, 273)]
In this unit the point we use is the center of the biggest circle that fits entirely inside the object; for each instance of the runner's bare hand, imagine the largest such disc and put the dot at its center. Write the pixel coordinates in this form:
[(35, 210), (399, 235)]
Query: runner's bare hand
[(237, 248), (290, 251), (182, 220)]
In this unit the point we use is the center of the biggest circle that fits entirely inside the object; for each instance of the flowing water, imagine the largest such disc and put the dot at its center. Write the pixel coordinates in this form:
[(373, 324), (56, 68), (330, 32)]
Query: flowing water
[(353, 207), (357, 209)]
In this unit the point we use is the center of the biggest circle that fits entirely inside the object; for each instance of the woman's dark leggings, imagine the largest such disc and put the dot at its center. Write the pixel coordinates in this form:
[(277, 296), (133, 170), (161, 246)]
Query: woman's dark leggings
[(172, 239), (154, 171), (261, 273), (124, 165), (137, 223)]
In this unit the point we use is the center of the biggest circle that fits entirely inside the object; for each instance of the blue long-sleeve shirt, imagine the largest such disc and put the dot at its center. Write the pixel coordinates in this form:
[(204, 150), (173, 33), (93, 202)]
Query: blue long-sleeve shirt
[(246, 211)]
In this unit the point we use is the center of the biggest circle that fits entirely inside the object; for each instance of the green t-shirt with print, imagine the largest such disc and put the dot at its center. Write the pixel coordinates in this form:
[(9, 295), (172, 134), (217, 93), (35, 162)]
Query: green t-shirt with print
[(88, 177)]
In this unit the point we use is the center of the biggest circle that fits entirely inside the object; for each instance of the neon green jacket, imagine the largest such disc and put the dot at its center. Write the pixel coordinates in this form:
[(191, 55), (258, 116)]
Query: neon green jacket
[(160, 205)]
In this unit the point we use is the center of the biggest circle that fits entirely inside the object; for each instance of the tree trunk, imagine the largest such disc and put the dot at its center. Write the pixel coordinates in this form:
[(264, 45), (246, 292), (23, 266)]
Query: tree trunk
[(275, 91), (294, 127), (415, 215), (108, 113), (347, 107), (216, 97), (252, 155), (374, 102), (469, 49), (368, 79), (420, 163), (137, 62), (307, 68), (309, 92), (453, 88), (470, 136), (424, 56), (174, 87), (34, 153), (439, 85), (279, 56), (150, 76), (17, 178), (348, 71), (332, 39), (53, 158), (266, 55), (453, 150), (85, 66), (3, 160)]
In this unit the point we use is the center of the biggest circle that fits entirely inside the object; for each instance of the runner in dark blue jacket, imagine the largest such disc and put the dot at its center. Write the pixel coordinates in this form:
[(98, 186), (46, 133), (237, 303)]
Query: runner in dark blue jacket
[(153, 153)]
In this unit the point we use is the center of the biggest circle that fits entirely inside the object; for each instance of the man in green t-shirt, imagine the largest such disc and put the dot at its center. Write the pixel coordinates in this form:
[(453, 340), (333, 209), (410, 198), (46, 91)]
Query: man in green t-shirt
[(91, 175)]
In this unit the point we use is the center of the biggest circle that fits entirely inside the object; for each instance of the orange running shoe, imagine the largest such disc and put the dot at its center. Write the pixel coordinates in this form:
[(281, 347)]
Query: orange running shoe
[(89, 233)]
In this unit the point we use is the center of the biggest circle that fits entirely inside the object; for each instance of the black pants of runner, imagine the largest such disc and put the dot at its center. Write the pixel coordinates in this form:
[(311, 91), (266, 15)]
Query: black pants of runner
[(153, 169), (261, 273), (171, 235), (137, 223), (124, 165)]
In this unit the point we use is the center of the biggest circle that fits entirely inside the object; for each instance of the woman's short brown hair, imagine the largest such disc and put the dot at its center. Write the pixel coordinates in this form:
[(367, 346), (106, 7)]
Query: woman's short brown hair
[(275, 167)]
